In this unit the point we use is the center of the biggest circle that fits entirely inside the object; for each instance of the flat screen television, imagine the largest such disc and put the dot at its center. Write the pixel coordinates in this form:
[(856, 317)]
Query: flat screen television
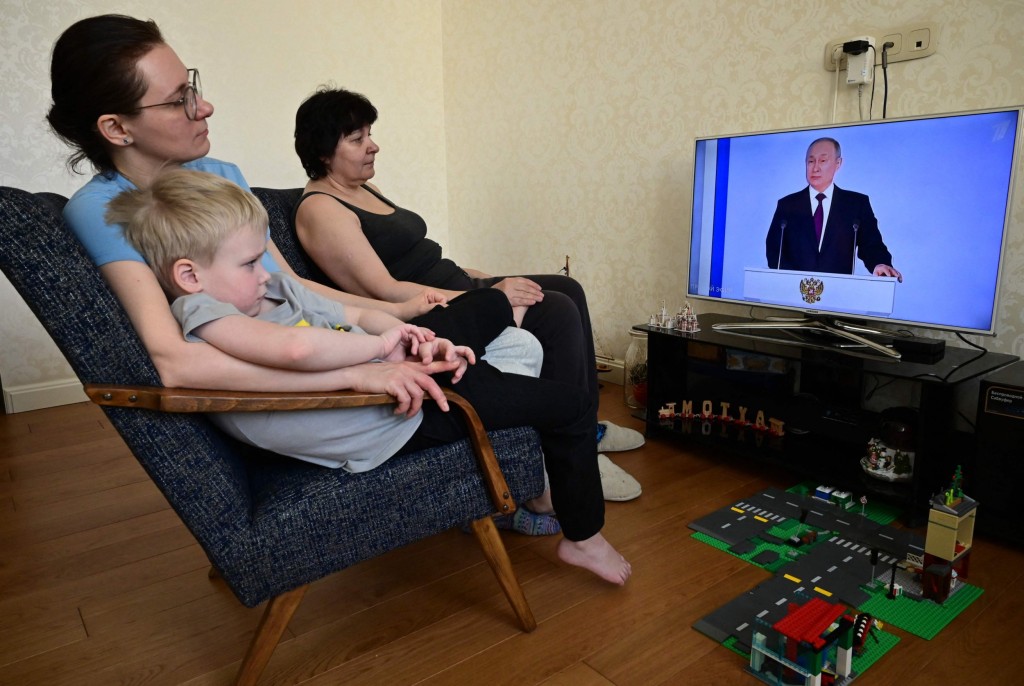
[(912, 225)]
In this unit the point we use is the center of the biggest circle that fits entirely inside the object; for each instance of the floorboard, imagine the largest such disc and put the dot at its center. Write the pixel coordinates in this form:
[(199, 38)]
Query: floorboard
[(100, 583)]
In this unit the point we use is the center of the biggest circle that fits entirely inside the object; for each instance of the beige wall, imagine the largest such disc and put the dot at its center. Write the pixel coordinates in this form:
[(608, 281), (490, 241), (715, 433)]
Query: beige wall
[(571, 124), (524, 130), (258, 60)]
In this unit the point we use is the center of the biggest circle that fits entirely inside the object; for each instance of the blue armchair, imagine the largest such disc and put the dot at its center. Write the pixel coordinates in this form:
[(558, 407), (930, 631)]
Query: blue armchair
[(270, 525)]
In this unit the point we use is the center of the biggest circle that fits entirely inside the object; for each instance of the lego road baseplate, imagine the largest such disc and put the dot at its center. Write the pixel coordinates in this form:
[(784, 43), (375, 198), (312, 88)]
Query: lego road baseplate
[(844, 555)]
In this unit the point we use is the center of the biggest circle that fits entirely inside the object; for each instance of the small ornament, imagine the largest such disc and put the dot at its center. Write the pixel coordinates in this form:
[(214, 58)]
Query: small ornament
[(687, 320)]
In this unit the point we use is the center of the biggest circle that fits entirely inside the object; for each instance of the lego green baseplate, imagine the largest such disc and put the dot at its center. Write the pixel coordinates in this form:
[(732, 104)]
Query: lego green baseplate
[(824, 552), (922, 618)]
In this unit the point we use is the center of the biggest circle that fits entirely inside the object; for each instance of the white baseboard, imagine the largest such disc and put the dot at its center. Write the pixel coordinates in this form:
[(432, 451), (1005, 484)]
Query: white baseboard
[(40, 395), (614, 374)]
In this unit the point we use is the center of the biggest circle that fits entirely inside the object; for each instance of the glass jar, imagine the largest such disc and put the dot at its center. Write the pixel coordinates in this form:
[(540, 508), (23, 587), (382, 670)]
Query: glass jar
[(634, 370)]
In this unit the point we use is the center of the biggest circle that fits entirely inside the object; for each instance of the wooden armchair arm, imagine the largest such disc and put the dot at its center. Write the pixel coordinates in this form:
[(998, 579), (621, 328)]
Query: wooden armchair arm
[(160, 399)]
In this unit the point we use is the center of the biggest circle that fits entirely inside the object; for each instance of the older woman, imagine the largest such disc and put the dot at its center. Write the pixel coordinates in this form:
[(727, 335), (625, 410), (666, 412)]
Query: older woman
[(125, 102), (368, 245)]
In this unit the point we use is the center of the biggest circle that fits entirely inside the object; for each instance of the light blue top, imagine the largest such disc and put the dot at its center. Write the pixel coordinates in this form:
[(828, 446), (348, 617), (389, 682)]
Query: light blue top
[(86, 213)]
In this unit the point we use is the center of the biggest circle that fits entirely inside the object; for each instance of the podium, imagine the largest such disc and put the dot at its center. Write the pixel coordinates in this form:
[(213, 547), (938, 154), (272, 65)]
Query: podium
[(856, 294)]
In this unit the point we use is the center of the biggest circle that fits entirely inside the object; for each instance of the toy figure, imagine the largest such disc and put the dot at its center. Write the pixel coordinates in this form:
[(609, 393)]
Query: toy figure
[(688, 320)]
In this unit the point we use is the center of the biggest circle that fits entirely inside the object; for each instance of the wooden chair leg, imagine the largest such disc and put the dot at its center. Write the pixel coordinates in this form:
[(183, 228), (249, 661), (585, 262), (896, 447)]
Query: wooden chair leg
[(497, 557), (275, 619)]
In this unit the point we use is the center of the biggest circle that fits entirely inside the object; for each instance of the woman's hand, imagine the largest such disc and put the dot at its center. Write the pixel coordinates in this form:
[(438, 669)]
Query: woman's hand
[(409, 382), (421, 303), (520, 291)]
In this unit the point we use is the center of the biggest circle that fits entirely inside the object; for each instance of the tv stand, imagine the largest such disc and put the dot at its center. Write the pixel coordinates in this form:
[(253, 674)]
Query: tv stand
[(836, 328), (822, 396)]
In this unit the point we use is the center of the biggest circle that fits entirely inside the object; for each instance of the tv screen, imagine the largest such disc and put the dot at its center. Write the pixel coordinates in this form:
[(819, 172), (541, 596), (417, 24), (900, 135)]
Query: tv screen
[(912, 220)]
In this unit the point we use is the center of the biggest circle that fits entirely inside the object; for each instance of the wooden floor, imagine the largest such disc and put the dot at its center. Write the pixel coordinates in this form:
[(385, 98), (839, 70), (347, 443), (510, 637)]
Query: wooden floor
[(101, 584)]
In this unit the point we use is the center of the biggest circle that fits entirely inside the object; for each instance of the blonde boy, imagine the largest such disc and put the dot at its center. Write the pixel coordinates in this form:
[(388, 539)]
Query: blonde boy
[(205, 237)]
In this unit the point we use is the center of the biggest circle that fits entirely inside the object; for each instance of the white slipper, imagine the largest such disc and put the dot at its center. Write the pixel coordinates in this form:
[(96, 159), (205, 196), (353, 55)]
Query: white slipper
[(617, 438), (615, 482)]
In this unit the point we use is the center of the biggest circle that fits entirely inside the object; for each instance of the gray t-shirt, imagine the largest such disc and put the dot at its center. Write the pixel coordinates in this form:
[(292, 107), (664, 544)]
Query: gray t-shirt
[(355, 439)]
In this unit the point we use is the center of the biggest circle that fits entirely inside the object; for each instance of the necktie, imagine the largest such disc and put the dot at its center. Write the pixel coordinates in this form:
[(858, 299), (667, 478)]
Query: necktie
[(819, 216)]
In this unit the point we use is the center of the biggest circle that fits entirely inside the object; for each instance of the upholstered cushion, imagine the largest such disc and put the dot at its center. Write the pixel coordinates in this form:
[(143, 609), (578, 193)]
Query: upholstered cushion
[(280, 204)]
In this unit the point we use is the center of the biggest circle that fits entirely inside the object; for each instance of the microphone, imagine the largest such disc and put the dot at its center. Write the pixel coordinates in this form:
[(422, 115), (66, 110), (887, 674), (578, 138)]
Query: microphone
[(853, 265), (782, 234)]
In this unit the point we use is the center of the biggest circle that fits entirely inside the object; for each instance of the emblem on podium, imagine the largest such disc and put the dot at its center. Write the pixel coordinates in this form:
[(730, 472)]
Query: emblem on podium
[(811, 290)]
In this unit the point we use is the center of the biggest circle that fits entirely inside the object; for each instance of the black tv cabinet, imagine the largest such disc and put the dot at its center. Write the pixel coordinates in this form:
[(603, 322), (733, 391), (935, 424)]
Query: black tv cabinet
[(818, 395)]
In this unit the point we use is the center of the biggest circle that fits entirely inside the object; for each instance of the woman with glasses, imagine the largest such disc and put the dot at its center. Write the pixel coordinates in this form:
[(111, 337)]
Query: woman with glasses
[(124, 101)]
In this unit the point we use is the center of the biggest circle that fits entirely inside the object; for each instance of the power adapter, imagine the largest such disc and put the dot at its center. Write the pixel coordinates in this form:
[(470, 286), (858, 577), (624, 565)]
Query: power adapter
[(857, 46), (860, 60)]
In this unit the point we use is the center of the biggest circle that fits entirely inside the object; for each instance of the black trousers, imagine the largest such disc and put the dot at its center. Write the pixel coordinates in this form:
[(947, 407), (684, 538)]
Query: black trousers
[(473, 319), (561, 322), (561, 411)]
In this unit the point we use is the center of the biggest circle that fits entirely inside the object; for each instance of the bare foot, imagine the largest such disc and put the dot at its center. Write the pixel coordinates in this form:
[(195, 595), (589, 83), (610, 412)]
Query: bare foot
[(541, 504), (597, 555)]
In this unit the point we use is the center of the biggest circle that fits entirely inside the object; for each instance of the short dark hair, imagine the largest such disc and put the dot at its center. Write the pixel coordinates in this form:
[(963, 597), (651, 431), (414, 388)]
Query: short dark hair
[(93, 72), (833, 141), (322, 120)]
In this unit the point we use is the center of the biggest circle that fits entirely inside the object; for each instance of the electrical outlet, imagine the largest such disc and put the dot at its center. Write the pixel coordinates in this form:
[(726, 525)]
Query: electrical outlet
[(897, 45), (920, 41), (910, 42)]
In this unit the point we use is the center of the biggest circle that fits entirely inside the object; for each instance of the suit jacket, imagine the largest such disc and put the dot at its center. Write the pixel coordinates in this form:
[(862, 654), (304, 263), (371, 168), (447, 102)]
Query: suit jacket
[(799, 247)]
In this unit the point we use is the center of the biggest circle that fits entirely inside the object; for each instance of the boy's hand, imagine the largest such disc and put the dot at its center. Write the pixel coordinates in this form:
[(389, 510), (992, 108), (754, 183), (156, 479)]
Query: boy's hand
[(404, 340), (441, 349)]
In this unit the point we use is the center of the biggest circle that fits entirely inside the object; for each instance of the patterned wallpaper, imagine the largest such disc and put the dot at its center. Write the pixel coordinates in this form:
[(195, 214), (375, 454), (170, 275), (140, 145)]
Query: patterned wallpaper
[(571, 124), (257, 66), (526, 130)]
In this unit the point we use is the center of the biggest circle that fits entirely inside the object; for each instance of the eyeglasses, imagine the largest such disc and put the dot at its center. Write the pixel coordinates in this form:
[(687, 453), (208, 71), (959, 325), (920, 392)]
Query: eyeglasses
[(189, 99)]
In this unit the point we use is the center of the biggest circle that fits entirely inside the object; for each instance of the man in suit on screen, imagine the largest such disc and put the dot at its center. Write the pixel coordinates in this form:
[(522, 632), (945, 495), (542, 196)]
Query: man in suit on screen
[(817, 228)]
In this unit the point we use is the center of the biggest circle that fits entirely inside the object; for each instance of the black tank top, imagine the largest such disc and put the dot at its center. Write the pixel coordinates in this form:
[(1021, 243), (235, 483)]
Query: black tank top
[(400, 240)]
